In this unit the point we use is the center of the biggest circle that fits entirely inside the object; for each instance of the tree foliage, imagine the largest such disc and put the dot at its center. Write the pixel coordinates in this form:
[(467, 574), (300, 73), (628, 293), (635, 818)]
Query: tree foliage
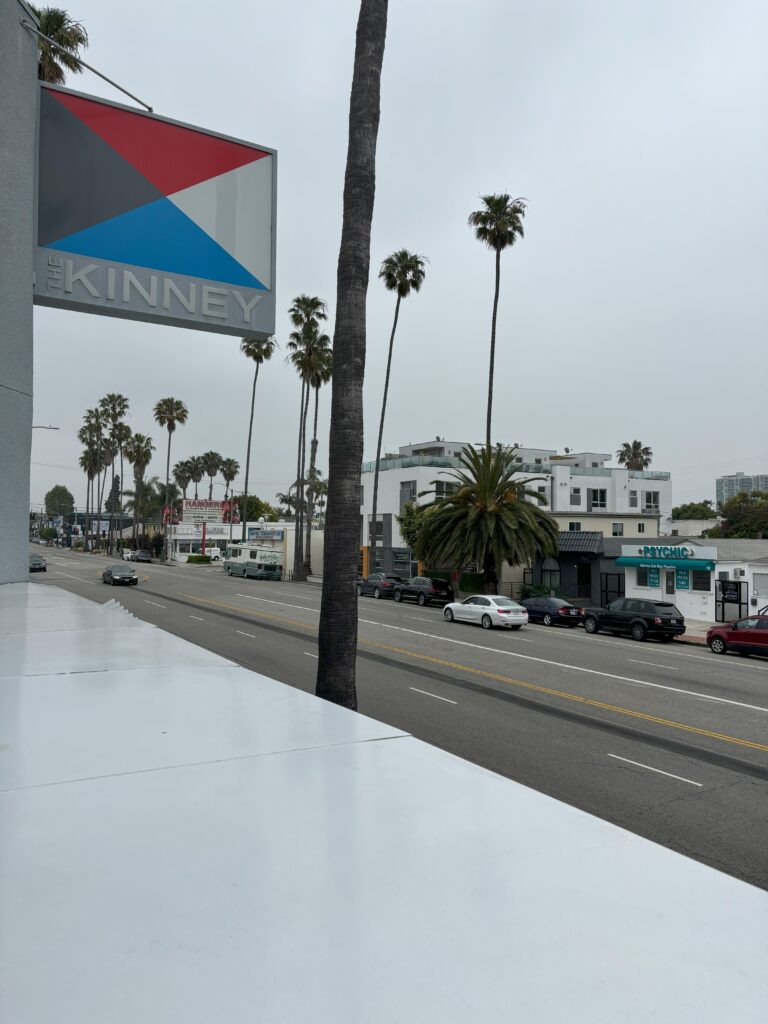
[(70, 37), (634, 455), (694, 510), (743, 515), (59, 501), (257, 508)]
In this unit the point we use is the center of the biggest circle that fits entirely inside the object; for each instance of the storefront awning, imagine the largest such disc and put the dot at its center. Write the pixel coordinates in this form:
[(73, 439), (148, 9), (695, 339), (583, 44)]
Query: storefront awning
[(667, 563)]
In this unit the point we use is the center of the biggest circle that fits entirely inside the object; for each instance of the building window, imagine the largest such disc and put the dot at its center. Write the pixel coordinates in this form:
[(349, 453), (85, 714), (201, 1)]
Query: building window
[(575, 495), (701, 579), (599, 497), (641, 527), (574, 527), (633, 499), (595, 465), (617, 529), (442, 489), (543, 492), (642, 576), (650, 501), (537, 462)]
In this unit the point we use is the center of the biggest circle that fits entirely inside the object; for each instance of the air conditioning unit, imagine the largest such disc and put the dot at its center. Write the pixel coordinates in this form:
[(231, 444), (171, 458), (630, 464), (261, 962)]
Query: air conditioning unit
[(739, 572)]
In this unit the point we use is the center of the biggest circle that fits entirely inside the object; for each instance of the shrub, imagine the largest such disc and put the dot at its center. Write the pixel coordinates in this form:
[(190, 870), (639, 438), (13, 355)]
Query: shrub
[(198, 560)]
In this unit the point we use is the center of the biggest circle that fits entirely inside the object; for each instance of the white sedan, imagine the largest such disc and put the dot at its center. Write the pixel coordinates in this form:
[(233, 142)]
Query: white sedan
[(487, 611)]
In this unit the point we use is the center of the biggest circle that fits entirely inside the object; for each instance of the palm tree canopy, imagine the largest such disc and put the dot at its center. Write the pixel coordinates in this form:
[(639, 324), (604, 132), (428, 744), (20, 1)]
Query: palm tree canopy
[(311, 354), (634, 455), (403, 272), (307, 310), (489, 519), (258, 349), (499, 222), (138, 451), (114, 406), (170, 411), (182, 475), (121, 433), (211, 463), (229, 469), (70, 35)]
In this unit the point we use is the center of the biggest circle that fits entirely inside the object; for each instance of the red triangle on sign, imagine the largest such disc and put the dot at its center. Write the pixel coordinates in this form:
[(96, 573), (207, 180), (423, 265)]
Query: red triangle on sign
[(169, 156)]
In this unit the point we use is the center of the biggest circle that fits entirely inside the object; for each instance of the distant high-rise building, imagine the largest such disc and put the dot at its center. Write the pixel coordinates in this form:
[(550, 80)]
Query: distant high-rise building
[(739, 483)]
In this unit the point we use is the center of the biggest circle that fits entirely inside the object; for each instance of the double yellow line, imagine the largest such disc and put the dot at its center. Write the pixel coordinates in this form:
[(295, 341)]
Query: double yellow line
[(496, 677)]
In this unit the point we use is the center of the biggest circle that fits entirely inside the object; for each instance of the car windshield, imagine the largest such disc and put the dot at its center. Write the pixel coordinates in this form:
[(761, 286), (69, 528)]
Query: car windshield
[(120, 568), (665, 608)]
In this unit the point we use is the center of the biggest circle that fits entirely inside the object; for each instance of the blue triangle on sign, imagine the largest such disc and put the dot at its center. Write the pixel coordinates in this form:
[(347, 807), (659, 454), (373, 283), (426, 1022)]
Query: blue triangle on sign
[(158, 236)]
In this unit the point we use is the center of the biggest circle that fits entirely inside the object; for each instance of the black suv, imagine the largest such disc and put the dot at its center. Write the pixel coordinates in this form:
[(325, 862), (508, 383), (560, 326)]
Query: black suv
[(424, 591), (380, 584), (636, 617)]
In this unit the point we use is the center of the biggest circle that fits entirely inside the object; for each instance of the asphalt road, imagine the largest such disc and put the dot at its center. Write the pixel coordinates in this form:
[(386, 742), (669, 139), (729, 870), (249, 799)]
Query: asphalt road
[(668, 741)]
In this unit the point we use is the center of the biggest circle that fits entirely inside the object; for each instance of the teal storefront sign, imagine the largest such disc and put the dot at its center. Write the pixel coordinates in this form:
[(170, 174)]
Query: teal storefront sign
[(681, 579)]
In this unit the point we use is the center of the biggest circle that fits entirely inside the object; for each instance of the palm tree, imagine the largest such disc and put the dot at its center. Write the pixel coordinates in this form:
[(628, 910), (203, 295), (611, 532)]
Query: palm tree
[(168, 412), (634, 455), (138, 451), (115, 407), (121, 434), (337, 638), (182, 476), (212, 465), (306, 312), (289, 501), (320, 361), (229, 469), (196, 470), (90, 463), (489, 519), (68, 35), (260, 350), (498, 224), (402, 272), (92, 436)]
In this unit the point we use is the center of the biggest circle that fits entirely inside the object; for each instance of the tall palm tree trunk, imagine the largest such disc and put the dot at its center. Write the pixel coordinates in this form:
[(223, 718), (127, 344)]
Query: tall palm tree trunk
[(248, 455), (373, 531), (120, 496), (101, 484), (493, 350), (167, 526), (87, 538), (297, 518), (110, 529), (337, 638), (310, 492), (299, 545)]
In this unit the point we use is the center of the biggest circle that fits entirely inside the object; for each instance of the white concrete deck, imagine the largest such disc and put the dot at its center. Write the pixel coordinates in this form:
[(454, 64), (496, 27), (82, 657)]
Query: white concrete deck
[(187, 841)]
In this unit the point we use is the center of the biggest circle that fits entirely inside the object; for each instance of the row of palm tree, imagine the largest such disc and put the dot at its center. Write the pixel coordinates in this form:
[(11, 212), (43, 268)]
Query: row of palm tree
[(211, 464)]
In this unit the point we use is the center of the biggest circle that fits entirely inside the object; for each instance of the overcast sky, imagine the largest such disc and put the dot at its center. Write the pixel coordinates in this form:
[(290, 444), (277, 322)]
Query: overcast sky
[(635, 307)]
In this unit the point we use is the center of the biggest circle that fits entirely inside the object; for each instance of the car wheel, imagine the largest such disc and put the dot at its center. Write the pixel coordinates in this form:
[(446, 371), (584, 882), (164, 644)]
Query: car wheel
[(590, 624), (547, 620), (638, 631), (422, 600), (486, 623), (113, 582), (377, 593), (717, 645), (448, 615), (398, 596)]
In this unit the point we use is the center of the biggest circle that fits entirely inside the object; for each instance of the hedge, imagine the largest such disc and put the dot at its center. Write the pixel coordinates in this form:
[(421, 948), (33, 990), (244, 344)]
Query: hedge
[(198, 560)]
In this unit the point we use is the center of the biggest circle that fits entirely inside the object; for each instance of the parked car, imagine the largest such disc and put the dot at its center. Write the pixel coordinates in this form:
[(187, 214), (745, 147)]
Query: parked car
[(128, 554), (636, 617), (746, 636), (552, 611), (487, 611), (142, 555), (37, 564), (424, 591), (380, 584), (120, 574)]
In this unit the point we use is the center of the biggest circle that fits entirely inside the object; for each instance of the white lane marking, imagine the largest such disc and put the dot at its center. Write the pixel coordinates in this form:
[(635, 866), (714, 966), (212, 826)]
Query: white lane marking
[(428, 694), (573, 668), (657, 770), (78, 578), (285, 604), (251, 635), (654, 664), (199, 619), (154, 603), (311, 655)]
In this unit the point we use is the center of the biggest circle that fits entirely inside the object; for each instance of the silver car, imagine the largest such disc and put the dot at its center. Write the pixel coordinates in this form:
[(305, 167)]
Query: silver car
[(488, 611)]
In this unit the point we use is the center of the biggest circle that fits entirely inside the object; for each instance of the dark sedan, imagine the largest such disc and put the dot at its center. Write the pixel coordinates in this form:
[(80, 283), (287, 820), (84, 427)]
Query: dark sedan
[(380, 584), (120, 574), (552, 611), (37, 564), (424, 591), (142, 555)]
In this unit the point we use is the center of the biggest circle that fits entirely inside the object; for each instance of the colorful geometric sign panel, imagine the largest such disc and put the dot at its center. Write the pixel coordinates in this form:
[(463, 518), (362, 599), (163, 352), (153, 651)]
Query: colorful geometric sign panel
[(148, 219)]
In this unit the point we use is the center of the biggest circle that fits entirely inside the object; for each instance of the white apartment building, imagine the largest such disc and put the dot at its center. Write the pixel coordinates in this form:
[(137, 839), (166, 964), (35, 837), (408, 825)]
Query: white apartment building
[(579, 490)]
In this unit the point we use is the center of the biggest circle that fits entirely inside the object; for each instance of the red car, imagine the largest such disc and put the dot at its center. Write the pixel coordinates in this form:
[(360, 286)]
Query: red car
[(746, 636)]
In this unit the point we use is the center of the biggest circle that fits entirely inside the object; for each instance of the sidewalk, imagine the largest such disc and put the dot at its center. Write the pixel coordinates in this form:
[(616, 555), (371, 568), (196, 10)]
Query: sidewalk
[(185, 840), (695, 632)]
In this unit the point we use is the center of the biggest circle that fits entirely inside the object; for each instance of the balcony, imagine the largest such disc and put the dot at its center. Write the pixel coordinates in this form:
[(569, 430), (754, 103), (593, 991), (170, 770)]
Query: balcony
[(648, 474), (411, 461)]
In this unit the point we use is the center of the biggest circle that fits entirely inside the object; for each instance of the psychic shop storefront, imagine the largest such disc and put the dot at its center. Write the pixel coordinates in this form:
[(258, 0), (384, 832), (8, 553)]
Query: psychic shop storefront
[(683, 574)]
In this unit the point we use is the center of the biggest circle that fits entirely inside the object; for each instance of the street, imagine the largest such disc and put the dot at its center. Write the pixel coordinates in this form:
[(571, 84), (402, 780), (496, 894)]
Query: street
[(667, 741)]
